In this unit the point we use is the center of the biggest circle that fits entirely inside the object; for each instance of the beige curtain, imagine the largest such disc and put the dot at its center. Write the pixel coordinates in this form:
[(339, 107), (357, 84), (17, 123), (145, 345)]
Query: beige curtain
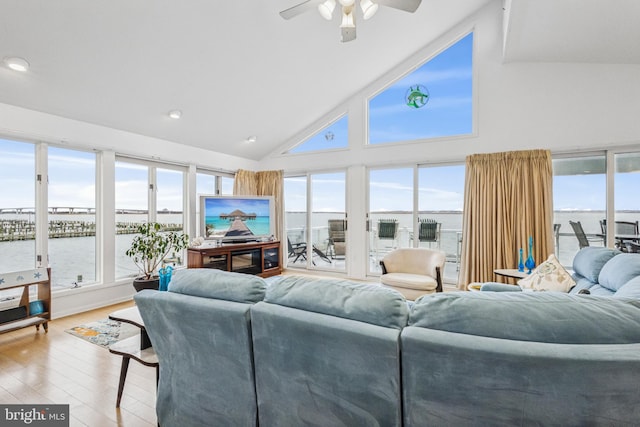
[(508, 197), (245, 183), (264, 183)]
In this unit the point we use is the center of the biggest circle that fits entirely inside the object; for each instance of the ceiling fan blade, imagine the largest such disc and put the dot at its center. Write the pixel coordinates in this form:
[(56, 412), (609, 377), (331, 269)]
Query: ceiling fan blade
[(300, 8), (406, 5), (347, 34)]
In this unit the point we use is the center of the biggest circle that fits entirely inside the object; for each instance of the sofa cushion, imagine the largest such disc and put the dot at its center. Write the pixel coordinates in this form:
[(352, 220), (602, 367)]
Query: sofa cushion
[(550, 317), (410, 281), (589, 261), (619, 270), (218, 284), (357, 301), (630, 290), (548, 276)]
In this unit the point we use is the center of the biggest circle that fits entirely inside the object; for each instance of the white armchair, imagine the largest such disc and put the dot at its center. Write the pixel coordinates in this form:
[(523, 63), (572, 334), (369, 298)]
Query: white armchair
[(413, 271)]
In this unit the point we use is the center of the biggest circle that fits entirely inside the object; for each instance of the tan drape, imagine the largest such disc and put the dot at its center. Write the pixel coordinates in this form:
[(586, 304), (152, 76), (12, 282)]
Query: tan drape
[(507, 198), (264, 183), (245, 183)]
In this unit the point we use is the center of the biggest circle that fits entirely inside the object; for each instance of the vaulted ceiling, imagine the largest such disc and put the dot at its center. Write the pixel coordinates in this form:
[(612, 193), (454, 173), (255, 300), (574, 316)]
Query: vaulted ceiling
[(237, 69)]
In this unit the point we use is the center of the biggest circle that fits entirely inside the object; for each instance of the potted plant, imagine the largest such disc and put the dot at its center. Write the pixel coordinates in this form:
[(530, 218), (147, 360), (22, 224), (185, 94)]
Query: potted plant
[(149, 248)]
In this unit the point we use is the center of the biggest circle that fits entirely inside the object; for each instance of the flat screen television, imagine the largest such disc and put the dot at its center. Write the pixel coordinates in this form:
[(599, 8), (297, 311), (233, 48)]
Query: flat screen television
[(237, 218)]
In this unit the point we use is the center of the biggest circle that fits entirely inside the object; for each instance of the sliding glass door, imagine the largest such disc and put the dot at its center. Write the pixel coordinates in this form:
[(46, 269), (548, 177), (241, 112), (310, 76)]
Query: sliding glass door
[(391, 195), (316, 221)]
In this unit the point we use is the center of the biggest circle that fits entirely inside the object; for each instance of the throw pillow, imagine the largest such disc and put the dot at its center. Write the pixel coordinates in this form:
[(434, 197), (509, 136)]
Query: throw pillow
[(548, 276)]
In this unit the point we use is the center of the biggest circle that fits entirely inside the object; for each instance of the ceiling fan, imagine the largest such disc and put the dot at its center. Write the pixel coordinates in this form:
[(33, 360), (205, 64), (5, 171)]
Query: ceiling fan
[(348, 24)]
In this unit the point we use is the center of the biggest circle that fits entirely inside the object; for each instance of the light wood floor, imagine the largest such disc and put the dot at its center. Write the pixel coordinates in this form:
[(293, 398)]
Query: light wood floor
[(58, 368)]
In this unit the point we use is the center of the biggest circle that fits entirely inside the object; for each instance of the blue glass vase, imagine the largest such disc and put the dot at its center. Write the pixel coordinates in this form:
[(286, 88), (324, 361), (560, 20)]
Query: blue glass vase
[(165, 277), (520, 261), (530, 263)]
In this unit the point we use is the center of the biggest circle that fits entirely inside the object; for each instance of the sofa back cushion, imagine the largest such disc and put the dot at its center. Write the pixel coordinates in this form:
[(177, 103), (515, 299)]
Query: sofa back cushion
[(218, 284), (327, 352), (206, 358), (589, 261), (549, 317), (342, 298), (631, 289), (619, 270)]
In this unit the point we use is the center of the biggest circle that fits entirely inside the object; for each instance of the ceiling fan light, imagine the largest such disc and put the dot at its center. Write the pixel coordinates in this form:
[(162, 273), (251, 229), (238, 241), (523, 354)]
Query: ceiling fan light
[(369, 8), (326, 9), (347, 3), (347, 20)]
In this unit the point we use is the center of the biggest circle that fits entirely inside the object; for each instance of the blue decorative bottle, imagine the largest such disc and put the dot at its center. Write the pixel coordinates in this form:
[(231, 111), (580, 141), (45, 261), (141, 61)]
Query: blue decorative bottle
[(520, 262), (530, 263)]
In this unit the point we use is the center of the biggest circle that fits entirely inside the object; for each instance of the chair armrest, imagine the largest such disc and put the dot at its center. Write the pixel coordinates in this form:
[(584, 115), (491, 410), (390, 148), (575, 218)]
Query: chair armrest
[(499, 287), (384, 269)]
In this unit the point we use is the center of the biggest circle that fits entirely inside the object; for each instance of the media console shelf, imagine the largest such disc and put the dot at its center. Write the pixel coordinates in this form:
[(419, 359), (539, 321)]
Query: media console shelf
[(259, 258), (29, 312)]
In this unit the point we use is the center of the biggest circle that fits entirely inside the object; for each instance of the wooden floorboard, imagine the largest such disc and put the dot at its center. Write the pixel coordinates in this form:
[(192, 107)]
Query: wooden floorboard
[(58, 368)]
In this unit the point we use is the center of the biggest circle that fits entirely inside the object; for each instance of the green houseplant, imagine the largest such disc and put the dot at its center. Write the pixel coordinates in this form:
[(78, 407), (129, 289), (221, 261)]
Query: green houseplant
[(149, 248)]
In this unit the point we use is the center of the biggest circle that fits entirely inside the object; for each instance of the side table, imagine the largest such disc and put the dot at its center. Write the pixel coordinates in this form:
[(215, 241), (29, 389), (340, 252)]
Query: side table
[(137, 347), (511, 272)]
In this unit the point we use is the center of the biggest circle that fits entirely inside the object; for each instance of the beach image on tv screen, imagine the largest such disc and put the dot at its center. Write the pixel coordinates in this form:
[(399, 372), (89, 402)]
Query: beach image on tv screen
[(236, 217)]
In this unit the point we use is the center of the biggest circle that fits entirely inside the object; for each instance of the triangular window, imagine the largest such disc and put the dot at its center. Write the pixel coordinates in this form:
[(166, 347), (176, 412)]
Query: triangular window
[(329, 138)]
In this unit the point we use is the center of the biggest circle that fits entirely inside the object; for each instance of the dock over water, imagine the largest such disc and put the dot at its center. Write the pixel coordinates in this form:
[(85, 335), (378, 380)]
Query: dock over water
[(17, 229)]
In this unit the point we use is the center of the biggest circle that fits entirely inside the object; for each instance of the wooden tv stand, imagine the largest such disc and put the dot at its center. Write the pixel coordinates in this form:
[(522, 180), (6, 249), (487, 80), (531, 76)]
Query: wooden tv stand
[(259, 258)]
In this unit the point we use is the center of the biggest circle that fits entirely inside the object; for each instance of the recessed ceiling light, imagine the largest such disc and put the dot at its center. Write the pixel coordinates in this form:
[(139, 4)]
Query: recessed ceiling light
[(252, 138), (17, 64), (175, 114)]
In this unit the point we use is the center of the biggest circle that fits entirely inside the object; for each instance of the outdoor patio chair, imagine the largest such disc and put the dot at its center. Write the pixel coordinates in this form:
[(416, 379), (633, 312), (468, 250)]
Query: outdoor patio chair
[(429, 231), (583, 240), (337, 238), (622, 228), (297, 250), (387, 230)]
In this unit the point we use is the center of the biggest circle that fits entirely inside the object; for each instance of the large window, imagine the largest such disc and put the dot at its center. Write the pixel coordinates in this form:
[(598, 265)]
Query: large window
[(433, 101), (295, 218), (169, 197), (72, 216), (17, 206), (146, 192), (579, 195), (132, 209), (317, 240), (390, 212), (328, 221), (396, 221), (440, 205), (627, 203)]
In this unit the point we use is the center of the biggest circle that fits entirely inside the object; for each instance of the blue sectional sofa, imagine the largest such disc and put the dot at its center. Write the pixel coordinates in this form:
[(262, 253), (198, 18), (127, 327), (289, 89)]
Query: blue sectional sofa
[(236, 350)]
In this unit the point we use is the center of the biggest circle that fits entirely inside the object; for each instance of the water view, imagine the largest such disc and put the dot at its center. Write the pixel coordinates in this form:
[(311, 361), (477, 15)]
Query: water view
[(73, 258)]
